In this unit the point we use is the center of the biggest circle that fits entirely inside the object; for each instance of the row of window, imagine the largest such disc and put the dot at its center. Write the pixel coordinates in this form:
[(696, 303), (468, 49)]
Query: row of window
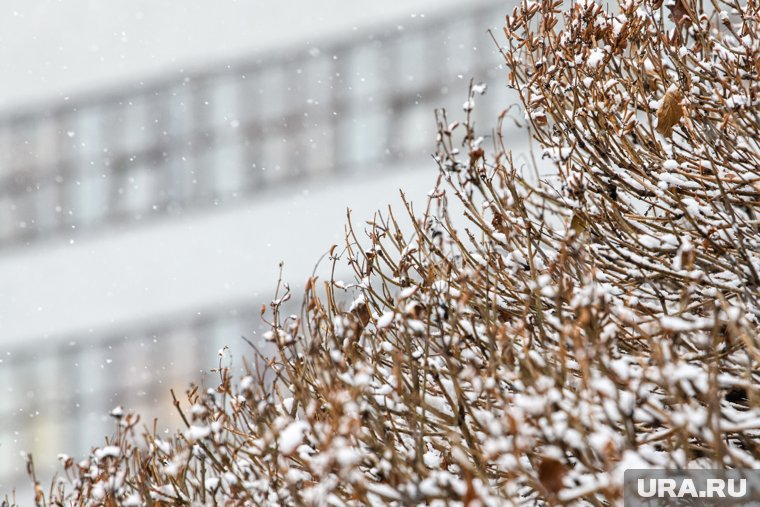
[(58, 401), (214, 138)]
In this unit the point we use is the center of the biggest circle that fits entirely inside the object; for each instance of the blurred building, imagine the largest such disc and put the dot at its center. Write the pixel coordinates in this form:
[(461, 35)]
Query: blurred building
[(141, 225)]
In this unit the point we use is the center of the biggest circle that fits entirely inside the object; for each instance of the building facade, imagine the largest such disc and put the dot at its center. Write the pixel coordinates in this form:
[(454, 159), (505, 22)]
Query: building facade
[(141, 227)]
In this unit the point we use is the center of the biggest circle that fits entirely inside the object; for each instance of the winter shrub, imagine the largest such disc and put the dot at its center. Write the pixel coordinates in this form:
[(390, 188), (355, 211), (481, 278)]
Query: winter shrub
[(565, 325)]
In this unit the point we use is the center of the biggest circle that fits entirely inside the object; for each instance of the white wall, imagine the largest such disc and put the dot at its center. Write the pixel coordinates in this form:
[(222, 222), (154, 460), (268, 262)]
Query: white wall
[(198, 260), (50, 49), (134, 274)]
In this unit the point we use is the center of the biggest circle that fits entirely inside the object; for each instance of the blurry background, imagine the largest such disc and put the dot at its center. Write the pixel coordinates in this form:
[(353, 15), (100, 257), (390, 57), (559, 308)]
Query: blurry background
[(158, 159)]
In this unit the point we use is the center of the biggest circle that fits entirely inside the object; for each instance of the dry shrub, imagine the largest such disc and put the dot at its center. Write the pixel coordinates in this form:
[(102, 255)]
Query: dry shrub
[(553, 333)]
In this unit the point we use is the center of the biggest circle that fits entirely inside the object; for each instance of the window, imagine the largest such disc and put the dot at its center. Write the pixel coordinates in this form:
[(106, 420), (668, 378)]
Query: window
[(362, 70), (273, 153), (48, 211), (137, 189), (85, 199), (317, 79), (271, 81), (457, 50), (221, 98), (316, 145), (412, 61), (132, 115), (224, 163)]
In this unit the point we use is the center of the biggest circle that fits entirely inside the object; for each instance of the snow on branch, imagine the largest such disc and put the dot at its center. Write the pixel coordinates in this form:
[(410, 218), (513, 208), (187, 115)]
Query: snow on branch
[(536, 330)]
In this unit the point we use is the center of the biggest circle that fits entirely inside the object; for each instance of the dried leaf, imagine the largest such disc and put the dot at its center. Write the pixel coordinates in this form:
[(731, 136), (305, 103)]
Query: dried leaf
[(476, 155), (362, 313), (679, 14), (39, 494), (471, 496), (578, 223), (550, 473), (670, 112)]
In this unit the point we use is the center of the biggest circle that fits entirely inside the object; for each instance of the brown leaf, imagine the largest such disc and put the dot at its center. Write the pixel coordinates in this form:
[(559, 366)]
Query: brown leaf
[(687, 258), (578, 223), (470, 496), (39, 494), (550, 473), (476, 155), (679, 14), (670, 112), (362, 314)]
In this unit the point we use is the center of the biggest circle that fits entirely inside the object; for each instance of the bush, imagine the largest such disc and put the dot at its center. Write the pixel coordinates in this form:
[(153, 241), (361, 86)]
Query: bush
[(540, 335)]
